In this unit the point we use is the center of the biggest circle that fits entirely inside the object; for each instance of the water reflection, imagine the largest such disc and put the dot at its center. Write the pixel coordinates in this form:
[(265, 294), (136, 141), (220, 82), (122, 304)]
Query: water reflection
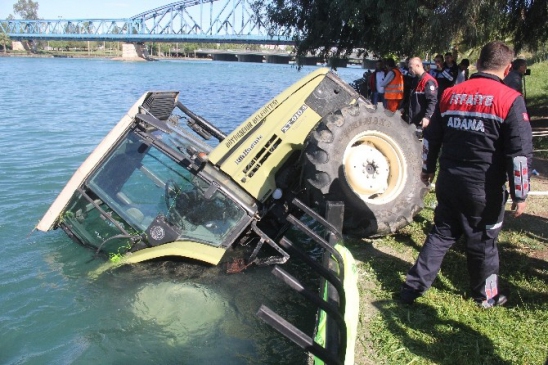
[(182, 311), (177, 309)]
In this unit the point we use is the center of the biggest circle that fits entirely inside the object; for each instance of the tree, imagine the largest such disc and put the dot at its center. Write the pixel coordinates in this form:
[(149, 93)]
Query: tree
[(4, 38), (27, 9), (334, 28), (529, 19), (58, 45)]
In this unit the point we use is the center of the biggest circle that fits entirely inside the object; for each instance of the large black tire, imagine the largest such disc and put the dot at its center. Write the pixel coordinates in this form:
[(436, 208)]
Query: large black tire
[(371, 160)]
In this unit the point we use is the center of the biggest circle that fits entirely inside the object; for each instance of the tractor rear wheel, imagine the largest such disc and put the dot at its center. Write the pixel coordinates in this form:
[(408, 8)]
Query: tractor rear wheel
[(371, 160)]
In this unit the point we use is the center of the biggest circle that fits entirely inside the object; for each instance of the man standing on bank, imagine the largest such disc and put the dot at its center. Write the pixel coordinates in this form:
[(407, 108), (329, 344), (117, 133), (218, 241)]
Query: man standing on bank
[(393, 86), (423, 96), (486, 136), (514, 79)]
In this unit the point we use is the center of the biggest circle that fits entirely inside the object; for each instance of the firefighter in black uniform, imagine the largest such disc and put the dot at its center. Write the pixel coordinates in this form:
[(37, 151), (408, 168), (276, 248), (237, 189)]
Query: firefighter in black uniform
[(445, 73), (423, 97), (486, 136)]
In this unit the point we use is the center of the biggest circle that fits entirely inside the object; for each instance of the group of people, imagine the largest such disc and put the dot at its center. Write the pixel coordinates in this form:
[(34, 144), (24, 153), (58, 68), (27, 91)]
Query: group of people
[(476, 131), (416, 87), (413, 88), (427, 86), (384, 85)]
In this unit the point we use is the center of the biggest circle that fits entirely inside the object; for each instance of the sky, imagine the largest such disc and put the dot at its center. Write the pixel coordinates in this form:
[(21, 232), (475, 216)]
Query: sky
[(86, 9)]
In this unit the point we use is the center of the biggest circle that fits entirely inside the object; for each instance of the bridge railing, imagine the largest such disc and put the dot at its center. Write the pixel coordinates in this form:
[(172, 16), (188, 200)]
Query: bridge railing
[(207, 21), (96, 27)]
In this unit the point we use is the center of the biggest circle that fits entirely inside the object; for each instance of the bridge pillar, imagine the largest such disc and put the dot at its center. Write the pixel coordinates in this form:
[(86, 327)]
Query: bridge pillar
[(135, 52), (224, 57), (336, 62), (257, 58), (17, 46), (28, 46), (202, 54), (280, 59), (309, 60)]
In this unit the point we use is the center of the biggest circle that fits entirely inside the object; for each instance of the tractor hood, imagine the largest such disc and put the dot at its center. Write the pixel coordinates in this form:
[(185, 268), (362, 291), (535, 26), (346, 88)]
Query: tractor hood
[(259, 147)]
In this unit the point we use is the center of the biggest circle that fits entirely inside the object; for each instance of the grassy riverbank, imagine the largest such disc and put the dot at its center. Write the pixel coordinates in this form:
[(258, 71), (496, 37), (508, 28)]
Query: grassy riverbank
[(444, 327), (536, 90)]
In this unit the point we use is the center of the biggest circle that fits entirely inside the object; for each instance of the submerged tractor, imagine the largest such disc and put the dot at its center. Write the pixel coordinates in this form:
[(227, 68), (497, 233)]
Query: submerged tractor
[(155, 188)]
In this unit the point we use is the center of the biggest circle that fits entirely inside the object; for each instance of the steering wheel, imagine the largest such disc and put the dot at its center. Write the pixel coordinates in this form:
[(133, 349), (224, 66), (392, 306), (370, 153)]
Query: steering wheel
[(172, 190), (178, 202)]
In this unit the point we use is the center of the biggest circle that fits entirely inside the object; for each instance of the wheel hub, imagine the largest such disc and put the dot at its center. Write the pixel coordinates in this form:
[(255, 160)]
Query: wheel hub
[(371, 168), (367, 170)]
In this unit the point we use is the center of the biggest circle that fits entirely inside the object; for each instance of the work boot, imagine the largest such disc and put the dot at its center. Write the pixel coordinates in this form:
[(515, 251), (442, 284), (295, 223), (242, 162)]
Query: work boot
[(408, 295), (496, 301)]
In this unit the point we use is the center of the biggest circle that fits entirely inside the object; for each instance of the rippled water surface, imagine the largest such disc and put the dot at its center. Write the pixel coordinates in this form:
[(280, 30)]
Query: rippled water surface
[(54, 112)]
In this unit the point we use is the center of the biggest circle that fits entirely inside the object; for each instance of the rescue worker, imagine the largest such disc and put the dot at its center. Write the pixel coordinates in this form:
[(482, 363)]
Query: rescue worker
[(423, 96), (393, 86), (445, 72), (484, 129)]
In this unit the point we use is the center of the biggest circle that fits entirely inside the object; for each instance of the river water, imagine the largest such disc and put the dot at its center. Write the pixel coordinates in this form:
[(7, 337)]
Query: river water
[(53, 113)]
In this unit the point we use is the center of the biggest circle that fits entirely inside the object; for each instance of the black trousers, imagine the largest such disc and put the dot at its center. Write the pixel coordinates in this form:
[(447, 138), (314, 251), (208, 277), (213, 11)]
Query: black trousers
[(466, 209)]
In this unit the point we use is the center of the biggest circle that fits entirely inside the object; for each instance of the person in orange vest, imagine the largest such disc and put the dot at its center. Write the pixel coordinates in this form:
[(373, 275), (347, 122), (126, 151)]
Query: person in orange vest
[(393, 86)]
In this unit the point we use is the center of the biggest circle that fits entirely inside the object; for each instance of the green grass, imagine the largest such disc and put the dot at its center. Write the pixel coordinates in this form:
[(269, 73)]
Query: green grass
[(536, 90), (445, 327)]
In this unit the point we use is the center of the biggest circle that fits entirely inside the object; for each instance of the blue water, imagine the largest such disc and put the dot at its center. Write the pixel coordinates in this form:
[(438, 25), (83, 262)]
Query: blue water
[(53, 113)]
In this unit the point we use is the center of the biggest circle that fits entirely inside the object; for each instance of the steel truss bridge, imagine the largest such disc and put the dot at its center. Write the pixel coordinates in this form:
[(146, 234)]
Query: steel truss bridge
[(193, 21)]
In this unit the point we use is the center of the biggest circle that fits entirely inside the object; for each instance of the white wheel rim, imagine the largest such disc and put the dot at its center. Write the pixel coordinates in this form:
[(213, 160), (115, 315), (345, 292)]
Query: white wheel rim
[(375, 167)]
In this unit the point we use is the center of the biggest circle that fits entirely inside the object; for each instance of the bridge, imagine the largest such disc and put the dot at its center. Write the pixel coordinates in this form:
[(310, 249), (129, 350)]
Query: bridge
[(191, 21)]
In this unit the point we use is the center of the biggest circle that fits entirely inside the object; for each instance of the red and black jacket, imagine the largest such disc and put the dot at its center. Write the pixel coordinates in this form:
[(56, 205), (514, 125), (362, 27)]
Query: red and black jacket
[(373, 81), (423, 98), (481, 125)]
